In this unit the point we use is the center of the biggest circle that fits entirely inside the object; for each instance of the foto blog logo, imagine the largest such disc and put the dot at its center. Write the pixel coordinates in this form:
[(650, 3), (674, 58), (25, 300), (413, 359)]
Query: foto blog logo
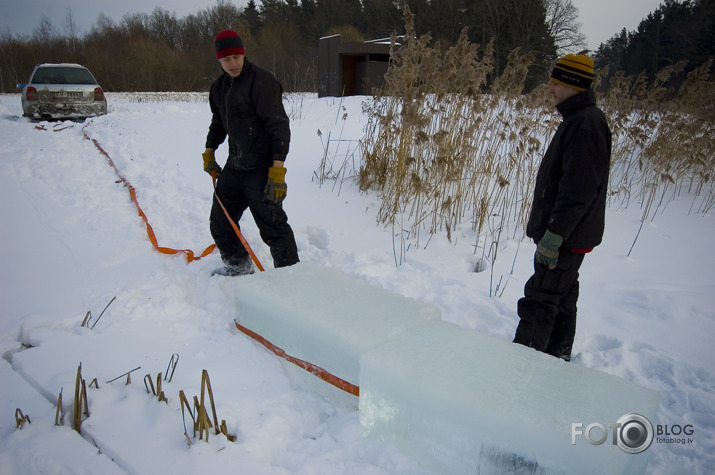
[(632, 433)]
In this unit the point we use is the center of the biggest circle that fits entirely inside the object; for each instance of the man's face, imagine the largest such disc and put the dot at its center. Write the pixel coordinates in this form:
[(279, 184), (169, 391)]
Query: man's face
[(560, 93), (232, 64)]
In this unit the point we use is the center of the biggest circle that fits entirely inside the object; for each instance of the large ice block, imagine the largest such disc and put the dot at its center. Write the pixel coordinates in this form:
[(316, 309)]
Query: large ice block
[(324, 317), (464, 402)]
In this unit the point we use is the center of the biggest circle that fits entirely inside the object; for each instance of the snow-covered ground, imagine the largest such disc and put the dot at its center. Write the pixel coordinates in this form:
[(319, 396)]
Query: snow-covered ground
[(71, 240)]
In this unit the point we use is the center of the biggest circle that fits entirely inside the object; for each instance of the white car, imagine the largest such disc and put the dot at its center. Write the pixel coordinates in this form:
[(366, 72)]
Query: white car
[(62, 91)]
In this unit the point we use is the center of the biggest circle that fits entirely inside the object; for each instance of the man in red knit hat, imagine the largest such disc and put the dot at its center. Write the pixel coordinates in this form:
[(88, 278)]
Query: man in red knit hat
[(247, 106)]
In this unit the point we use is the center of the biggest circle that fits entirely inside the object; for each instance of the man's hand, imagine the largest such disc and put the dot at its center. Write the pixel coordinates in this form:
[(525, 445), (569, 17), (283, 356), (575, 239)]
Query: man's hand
[(210, 165), (276, 188), (547, 250)]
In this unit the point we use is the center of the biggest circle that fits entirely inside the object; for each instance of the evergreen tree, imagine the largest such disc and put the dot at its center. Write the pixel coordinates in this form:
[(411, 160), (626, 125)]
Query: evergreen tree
[(610, 54), (674, 32), (381, 18), (252, 17)]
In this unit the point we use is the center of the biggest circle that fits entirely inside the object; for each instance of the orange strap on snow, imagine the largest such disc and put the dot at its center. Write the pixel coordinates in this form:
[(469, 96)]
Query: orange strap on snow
[(235, 227), (309, 367), (190, 256)]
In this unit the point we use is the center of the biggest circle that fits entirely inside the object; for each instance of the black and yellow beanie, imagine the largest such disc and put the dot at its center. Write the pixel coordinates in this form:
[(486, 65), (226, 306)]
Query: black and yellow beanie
[(574, 70)]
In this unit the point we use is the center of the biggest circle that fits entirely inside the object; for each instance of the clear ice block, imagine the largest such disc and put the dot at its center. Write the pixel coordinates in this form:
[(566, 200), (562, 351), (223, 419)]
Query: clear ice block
[(323, 316), (465, 402)]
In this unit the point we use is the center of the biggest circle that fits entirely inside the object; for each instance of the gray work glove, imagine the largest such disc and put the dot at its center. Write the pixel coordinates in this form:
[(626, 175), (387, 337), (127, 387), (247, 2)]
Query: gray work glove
[(547, 249)]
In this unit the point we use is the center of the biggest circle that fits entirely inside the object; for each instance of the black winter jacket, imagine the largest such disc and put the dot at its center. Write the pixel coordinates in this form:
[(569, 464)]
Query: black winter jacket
[(249, 109), (572, 183)]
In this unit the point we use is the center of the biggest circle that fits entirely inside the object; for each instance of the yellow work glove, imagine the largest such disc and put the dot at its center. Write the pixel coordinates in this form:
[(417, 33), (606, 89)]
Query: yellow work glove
[(210, 164), (276, 188)]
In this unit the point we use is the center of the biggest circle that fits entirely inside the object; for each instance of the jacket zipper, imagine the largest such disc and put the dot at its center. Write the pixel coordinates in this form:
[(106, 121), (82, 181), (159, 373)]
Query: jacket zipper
[(225, 107)]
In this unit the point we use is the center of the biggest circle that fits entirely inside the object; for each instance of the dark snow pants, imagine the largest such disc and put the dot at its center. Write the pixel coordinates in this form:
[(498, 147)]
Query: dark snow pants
[(241, 190), (548, 308)]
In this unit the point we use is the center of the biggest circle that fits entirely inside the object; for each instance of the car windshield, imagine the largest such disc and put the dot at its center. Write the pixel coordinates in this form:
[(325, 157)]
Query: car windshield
[(62, 75)]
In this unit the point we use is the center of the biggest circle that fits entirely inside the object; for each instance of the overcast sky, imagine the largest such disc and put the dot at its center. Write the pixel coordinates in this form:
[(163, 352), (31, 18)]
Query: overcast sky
[(600, 19)]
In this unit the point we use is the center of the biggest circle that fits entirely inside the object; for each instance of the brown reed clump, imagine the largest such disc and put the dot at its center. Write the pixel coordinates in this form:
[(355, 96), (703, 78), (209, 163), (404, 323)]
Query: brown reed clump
[(664, 140), (443, 148)]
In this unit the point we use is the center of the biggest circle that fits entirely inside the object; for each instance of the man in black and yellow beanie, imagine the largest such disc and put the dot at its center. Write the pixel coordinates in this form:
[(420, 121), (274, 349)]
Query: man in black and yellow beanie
[(247, 108), (567, 216), (574, 70)]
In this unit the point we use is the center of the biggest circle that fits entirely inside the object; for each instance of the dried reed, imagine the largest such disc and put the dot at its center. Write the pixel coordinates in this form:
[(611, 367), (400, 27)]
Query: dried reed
[(444, 148)]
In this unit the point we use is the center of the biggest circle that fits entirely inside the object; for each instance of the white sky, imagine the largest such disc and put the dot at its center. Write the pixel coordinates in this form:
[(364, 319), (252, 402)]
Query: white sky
[(601, 19)]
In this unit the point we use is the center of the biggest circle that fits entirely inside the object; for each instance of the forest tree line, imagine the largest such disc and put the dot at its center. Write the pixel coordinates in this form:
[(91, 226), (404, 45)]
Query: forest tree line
[(160, 52), (676, 31)]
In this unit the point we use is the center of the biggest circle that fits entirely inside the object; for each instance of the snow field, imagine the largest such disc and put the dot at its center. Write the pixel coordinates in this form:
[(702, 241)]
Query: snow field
[(72, 241)]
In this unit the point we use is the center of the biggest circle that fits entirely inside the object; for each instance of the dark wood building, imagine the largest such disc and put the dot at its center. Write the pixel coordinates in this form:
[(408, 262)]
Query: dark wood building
[(351, 69)]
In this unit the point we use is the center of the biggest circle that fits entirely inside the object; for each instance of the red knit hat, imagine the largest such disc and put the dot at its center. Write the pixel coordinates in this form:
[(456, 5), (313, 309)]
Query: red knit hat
[(228, 43)]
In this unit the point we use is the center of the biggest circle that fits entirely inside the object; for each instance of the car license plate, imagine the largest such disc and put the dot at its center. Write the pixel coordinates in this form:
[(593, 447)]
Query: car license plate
[(67, 95)]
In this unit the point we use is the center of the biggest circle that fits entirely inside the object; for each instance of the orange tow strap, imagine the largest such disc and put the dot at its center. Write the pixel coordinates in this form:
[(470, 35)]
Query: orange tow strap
[(309, 367), (190, 256), (235, 227)]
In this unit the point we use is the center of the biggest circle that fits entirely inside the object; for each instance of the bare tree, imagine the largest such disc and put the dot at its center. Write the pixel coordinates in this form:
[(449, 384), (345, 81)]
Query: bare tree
[(72, 36), (562, 22), (45, 33)]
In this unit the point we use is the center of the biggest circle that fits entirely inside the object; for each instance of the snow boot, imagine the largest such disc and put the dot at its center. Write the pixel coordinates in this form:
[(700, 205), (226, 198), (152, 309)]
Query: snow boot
[(233, 271)]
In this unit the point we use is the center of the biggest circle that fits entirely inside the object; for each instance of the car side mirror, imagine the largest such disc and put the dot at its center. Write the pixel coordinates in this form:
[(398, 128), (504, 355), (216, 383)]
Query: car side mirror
[(21, 85)]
